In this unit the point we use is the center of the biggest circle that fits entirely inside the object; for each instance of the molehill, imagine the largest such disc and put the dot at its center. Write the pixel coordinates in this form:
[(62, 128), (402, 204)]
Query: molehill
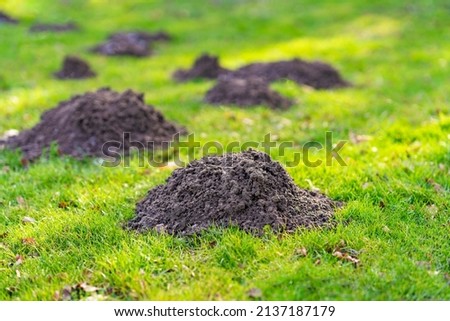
[(4, 18), (74, 68), (205, 66), (130, 43), (80, 126), (54, 27), (315, 74), (247, 190), (245, 92)]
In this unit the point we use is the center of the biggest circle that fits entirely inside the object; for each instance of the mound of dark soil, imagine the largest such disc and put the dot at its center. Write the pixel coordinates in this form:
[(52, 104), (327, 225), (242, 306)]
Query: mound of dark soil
[(244, 92), (245, 189), (54, 27), (316, 74), (130, 43), (4, 18), (74, 68), (81, 125), (205, 66), (145, 36)]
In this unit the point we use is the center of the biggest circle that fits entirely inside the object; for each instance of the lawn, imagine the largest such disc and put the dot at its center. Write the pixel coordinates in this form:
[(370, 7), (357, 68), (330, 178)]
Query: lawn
[(395, 119)]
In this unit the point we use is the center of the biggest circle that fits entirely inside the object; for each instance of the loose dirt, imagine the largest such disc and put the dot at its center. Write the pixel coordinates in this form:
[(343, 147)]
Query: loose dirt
[(130, 43), (315, 74), (245, 92), (80, 126), (205, 66), (4, 18), (74, 68), (50, 27), (246, 189)]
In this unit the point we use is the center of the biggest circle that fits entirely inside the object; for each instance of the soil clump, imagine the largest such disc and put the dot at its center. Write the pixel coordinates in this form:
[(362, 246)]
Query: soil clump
[(205, 66), (130, 43), (74, 68), (246, 189), (245, 92), (83, 124)]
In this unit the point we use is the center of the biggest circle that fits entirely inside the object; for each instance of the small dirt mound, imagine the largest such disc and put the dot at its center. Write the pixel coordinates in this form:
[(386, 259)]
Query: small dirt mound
[(141, 35), (54, 27), (130, 43), (205, 66), (245, 92), (316, 74), (74, 68), (245, 189), (4, 18), (80, 126)]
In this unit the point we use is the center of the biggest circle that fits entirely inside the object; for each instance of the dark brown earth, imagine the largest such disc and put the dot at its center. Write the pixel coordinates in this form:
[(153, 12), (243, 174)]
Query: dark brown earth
[(205, 66), (80, 126), (50, 27), (4, 18), (315, 74), (130, 43), (246, 189), (74, 68), (245, 92)]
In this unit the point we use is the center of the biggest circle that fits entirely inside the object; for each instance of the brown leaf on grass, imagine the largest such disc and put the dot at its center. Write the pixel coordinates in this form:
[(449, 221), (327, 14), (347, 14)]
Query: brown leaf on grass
[(358, 139), (431, 211), (88, 273), (57, 296), (337, 247), (25, 162), (437, 187), (28, 241), (67, 293), (63, 204), (19, 259), (447, 277), (86, 287), (346, 257), (66, 204), (254, 293), (11, 289), (366, 185), (34, 254), (21, 201), (28, 219), (318, 262), (217, 297), (302, 252)]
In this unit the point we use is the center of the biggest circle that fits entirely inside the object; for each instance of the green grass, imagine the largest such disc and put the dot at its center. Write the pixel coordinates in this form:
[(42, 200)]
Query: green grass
[(396, 53)]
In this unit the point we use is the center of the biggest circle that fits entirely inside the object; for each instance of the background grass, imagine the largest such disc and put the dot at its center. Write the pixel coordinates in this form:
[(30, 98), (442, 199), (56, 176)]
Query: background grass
[(396, 185)]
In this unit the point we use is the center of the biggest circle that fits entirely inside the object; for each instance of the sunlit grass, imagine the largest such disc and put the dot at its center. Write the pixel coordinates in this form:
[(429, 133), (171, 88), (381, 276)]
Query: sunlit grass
[(395, 185)]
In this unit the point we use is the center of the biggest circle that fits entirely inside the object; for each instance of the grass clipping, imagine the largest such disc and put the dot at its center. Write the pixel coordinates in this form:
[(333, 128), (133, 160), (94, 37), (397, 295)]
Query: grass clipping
[(246, 189)]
